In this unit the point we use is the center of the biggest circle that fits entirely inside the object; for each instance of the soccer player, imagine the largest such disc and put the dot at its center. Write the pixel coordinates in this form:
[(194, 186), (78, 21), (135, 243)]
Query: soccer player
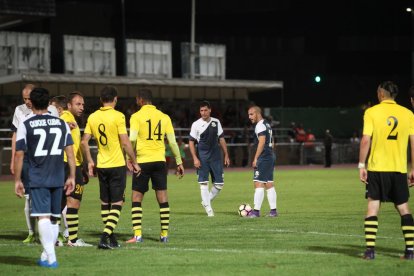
[(109, 129), (263, 163), (387, 129), (69, 109), (148, 128), (20, 114), (43, 138), (207, 133)]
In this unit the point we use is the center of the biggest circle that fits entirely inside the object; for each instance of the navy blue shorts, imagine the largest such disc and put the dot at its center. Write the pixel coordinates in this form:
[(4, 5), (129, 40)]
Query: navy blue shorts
[(263, 172), (46, 201), (213, 167)]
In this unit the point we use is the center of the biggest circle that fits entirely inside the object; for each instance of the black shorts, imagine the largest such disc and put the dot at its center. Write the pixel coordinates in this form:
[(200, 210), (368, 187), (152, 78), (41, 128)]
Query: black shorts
[(78, 191), (112, 182), (156, 171), (388, 186)]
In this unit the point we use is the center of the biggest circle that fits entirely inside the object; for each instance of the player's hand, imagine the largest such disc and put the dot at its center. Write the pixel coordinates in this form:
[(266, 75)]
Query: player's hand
[(197, 163), (136, 169), (69, 185), (91, 169), (12, 166), (85, 176), (363, 175), (72, 125), (19, 189), (179, 171), (411, 179), (226, 161), (254, 164)]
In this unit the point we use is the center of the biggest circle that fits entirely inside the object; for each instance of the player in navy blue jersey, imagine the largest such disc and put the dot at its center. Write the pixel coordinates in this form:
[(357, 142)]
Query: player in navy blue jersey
[(207, 133), (263, 163), (43, 139)]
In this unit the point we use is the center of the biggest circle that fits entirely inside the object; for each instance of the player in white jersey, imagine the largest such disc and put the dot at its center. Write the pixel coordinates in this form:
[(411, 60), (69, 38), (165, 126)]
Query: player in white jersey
[(20, 114), (208, 135)]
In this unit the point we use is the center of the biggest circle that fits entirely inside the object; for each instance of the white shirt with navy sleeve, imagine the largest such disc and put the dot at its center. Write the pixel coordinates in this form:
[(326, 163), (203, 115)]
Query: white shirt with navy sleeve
[(207, 135)]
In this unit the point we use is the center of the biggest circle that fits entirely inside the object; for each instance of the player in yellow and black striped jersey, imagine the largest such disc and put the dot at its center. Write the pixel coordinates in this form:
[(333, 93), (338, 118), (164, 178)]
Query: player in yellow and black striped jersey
[(148, 128), (108, 127), (69, 109), (387, 129)]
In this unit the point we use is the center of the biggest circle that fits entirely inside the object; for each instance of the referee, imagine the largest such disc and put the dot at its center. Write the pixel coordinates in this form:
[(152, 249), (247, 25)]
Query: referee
[(387, 129)]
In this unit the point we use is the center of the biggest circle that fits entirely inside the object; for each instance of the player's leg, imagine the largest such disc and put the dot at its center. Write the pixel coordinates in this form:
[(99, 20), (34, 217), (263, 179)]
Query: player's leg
[(401, 195), (259, 180), (159, 184), (30, 221), (203, 174), (46, 202), (374, 195), (271, 198), (270, 190), (217, 177), (72, 213), (139, 188), (117, 183)]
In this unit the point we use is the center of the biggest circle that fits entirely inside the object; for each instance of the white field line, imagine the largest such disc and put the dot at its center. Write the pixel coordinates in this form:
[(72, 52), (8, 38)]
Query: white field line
[(312, 233)]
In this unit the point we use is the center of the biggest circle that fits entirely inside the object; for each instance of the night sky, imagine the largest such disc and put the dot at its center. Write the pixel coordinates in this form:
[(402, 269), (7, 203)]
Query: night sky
[(353, 45)]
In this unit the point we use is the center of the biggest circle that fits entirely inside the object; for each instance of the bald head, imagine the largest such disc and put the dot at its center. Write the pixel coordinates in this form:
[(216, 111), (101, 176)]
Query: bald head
[(255, 114), (26, 94)]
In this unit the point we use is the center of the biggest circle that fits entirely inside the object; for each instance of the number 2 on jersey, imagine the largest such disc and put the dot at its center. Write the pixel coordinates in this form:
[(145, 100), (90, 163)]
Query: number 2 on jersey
[(157, 130), (393, 135)]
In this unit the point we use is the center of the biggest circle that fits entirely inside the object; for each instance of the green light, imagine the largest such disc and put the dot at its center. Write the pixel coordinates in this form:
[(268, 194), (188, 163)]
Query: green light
[(317, 79)]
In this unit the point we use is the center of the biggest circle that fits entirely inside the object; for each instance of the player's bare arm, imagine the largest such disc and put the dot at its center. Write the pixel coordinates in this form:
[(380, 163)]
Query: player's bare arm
[(13, 146), (363, 153), (70, 182), (18, 165), (260, 147), (223, 145), (196, 161), (87, 153), (126, 145), (411, 173), (176, 151)]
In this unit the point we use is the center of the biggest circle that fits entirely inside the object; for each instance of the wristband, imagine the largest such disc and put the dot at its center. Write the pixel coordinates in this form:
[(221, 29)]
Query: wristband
[(361, 165)]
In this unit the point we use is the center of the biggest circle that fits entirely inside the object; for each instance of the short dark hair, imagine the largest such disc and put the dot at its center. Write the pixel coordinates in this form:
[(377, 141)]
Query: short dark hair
[(73, 95), (108, 94), (205, 104), (39, 98), (145, 94), (390, 87), (61, 101)]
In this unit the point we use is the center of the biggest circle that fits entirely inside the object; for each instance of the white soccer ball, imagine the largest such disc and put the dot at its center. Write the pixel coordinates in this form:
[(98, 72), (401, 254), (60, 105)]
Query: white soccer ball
[(244, 209)]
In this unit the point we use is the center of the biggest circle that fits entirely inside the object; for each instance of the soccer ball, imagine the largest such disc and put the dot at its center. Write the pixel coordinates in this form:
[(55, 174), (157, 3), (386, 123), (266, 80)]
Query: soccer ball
[(244, 210)]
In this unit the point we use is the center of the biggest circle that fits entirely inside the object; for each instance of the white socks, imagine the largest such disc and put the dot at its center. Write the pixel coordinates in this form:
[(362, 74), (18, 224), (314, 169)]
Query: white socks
[(48, 236), (214, 192), (27, 214), (258, 198), (272, 197), (65, 223), (205, 195)]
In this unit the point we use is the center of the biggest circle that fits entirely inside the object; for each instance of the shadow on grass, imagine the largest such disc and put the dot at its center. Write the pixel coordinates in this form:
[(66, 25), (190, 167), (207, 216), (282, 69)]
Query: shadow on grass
[(355, 251), (17, 260), (12, 237)]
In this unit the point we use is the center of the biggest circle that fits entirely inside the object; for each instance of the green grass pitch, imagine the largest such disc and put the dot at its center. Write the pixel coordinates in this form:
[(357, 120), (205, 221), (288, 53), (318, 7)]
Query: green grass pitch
[(319, 231)]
